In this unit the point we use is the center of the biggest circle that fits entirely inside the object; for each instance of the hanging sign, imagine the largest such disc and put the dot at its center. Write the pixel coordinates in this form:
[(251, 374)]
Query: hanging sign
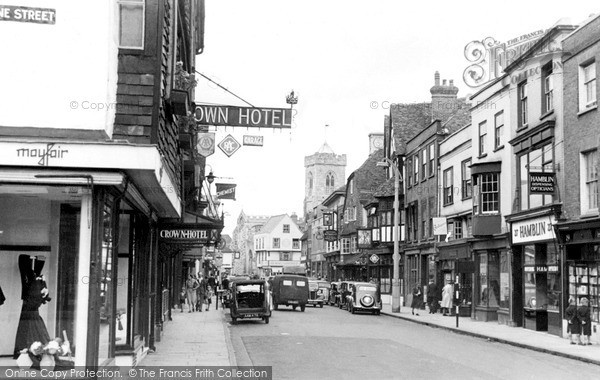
[(328, 219), (253, 140), (226, 190), (233, 116), (330, 235), (206, 144), (440, 227), (27, 14), (229, 145), (541, 183), (365, 238)]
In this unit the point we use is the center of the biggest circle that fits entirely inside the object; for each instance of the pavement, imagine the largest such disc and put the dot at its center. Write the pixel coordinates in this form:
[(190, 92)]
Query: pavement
[(202, 338), (193, 339), (516, 336)]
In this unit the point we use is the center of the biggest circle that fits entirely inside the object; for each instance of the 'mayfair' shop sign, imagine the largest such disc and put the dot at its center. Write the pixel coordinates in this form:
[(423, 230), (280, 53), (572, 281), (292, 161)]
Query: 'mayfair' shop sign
[(532, 230)]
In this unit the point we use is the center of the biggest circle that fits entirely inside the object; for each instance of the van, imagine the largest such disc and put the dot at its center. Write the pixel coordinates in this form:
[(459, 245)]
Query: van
[(290, 290)]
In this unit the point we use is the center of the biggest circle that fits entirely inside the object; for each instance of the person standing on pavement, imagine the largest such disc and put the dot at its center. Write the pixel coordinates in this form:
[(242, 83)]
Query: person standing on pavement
[(447, 298), (190, 287), (417, 299), (203, 293), (573, 324), (433, 297), (584, 316)]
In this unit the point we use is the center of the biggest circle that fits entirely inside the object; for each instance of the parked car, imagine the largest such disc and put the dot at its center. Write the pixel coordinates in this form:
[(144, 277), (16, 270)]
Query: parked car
[(250, 299), (363, 296), (290, 290), (318, 292), (334, 293)]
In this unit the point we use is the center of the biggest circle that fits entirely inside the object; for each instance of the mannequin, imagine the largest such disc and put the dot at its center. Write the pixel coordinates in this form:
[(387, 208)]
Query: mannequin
[(34, 293)]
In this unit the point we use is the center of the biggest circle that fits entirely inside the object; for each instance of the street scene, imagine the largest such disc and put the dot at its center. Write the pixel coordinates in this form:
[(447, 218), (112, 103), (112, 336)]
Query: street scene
[(275, 189)]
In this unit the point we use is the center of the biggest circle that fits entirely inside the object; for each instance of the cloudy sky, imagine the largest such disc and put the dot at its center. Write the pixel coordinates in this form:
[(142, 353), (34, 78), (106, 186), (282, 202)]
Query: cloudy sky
[(345, 60)]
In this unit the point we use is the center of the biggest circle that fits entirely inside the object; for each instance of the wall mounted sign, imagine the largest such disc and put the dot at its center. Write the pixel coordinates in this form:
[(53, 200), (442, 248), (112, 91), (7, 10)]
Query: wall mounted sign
[(229, 145), (440, 227), (26, 14), (330, 235), (541, 183), (252, 140), (200, 235), (374, 258), (226, 190), (43, 154), (365, 239), (535, 229), (328, 219), (206, 144), (233, 116)]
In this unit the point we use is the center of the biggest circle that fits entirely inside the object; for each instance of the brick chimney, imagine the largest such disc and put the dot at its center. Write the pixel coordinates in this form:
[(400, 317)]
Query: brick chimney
[(444, 102)]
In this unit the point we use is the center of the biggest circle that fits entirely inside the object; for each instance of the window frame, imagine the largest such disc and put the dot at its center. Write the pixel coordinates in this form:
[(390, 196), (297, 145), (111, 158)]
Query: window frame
[(431, 159), (133, 3), (498, 130), (448, 185), (547, 89), (466, 184), (416, 168), (424, 164), (585, 84), (276, 243), (286, 230), (588, 160), (482, 136), (484, 194), (522, 98)]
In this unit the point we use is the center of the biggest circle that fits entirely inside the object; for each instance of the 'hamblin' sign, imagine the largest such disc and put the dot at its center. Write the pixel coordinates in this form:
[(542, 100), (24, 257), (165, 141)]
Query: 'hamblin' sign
[(232, 116), (541, 183)]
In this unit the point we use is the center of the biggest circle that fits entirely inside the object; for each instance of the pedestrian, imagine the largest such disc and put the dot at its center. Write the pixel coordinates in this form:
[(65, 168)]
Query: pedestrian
[(584, 316), (417, 299), (182, 296), (447, 298), (573, 324), (190, 287), (433, 297), (202, 293)]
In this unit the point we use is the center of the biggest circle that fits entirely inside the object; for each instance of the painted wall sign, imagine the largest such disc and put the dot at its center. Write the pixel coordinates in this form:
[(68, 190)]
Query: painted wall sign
[(253, 140), (206, 144), (229, 145), (226, 190), (43, 154), (27, 14), (536, 229), (232, 116), (541, 183)]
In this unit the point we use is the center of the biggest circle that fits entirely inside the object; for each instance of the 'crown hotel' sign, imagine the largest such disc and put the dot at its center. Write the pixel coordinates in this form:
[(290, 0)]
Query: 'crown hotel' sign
[(232, 116)]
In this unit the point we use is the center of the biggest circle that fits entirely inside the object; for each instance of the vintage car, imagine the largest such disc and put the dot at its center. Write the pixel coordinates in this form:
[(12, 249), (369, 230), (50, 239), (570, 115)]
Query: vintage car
[(363, 296), (249, 299), (290, 290), (318, 292)]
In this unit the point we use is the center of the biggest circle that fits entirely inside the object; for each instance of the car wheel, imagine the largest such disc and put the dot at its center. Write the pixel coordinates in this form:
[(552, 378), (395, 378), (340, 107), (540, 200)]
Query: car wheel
[(233, 321), (352, 309), (302, 308), (378, 312), (321, 306), (266, 320)]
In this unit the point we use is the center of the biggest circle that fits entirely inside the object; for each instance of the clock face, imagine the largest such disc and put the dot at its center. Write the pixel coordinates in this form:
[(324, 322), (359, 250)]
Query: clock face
[(378, 143)]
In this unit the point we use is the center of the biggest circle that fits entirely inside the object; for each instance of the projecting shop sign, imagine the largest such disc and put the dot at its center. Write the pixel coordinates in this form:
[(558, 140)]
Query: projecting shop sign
[(541, 183), (232, 116)]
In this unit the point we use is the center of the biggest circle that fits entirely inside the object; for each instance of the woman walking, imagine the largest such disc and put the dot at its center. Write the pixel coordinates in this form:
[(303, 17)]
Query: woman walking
[(447, 298), (417, 299), (190, 287), (573, 324)]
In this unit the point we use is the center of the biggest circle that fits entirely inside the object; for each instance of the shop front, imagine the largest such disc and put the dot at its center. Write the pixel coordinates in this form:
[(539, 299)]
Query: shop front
[(419, 269), (83, 233), (534, 246), (455, 263), (581, 243)]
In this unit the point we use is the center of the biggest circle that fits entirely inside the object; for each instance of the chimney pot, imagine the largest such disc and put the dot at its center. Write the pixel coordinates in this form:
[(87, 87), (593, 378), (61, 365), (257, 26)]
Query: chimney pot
[(451, 82), (444, 82), (437, 78)]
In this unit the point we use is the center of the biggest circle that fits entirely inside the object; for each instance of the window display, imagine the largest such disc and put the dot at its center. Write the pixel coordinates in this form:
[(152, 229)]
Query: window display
[(584, 282)]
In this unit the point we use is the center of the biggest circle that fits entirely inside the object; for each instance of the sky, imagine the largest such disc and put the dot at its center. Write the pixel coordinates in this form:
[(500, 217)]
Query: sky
[(346, 61)]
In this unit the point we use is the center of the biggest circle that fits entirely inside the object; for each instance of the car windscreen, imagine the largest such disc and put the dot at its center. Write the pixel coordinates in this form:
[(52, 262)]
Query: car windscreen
[(368, 288)]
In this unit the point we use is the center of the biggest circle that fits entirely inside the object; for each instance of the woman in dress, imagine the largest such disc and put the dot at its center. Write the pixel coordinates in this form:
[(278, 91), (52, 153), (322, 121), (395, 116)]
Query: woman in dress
[(447, 298), (573, 325), (190, 287), (584, 316), (417, 299)]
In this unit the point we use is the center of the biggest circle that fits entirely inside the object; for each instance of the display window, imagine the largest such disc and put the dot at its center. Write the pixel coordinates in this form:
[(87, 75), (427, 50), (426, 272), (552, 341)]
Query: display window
[(488, 279), (584, 281), (40, 271)]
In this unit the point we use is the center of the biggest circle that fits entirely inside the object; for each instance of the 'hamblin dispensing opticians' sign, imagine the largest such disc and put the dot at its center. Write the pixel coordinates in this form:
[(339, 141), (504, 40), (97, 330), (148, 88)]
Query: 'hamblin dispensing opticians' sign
[(535, 229), (541, 183)]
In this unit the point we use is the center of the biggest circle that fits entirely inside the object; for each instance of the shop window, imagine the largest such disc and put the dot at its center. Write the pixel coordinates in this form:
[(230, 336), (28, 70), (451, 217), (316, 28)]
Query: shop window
[(107, 283), (413, 270), (131, 24), (504, 300), (554, 278), (589, 186), (489, 285)]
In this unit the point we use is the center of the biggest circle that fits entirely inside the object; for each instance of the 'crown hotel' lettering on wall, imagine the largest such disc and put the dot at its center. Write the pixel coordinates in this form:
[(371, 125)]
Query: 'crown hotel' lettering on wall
[(232, 116)]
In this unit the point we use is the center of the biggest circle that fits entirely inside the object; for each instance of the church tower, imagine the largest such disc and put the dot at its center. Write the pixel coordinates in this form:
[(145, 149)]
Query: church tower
[(324, 172)]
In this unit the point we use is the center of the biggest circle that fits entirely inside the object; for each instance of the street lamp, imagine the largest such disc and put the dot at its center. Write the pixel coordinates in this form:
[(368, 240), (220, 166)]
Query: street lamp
[(386, 162)]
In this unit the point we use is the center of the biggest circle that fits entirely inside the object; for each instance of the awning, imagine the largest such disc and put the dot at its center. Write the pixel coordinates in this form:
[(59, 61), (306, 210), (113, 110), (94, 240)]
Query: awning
[(142, 163)]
